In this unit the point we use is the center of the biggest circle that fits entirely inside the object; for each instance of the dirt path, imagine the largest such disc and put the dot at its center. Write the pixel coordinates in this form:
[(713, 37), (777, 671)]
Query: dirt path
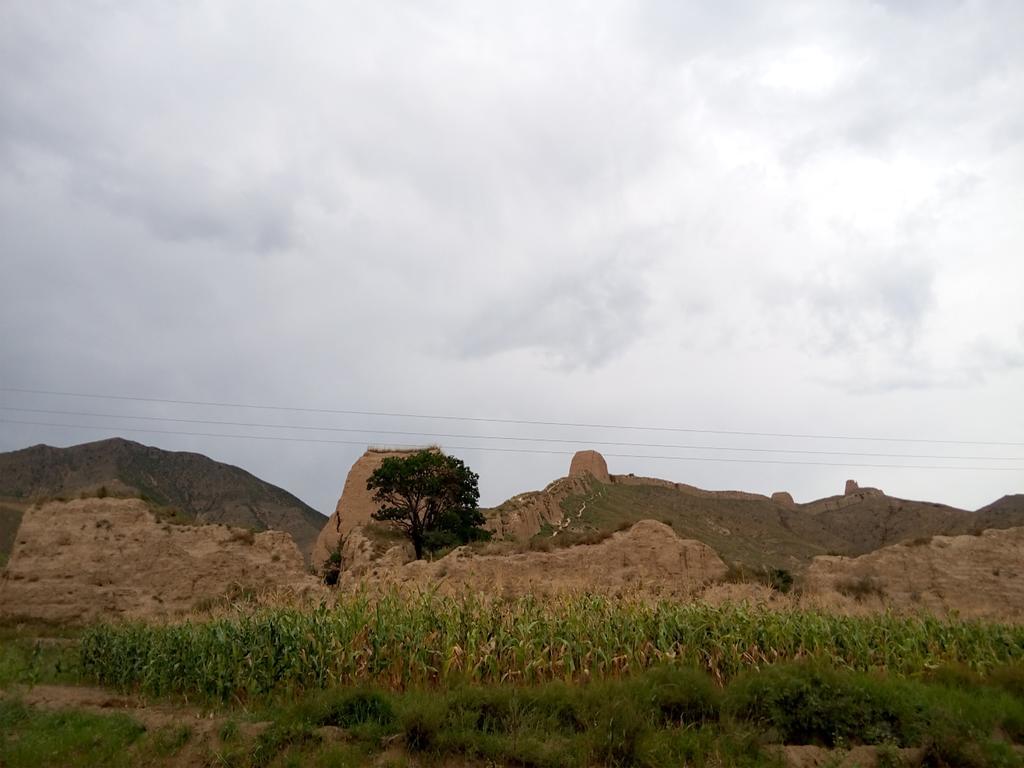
[(103, 701)]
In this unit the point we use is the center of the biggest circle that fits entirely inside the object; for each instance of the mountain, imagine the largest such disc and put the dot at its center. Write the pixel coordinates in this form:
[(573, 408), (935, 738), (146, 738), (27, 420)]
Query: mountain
[(204, 490)]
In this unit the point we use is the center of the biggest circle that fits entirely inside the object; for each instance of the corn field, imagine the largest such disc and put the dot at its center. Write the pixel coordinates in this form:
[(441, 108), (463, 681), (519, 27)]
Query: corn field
[(399, 642)]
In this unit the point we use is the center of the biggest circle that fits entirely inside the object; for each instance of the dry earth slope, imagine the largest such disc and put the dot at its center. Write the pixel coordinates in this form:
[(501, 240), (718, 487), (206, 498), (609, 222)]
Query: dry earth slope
[(976, 576), (90, 558), (647, 559)]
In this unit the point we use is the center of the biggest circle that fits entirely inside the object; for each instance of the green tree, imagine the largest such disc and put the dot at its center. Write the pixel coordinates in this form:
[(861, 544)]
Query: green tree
[(431, 497)]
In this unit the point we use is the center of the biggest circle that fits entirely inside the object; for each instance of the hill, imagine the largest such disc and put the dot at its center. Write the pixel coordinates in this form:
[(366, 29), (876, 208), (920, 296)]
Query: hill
[(204, 490), (746, 529)]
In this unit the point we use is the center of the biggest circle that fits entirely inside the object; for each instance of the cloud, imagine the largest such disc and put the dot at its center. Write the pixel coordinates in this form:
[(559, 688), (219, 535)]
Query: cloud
[(579, 318), (883, 305)]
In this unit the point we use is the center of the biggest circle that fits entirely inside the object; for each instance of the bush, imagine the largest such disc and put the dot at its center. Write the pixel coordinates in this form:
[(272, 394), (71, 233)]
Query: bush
[(619, 730), (808, 704), (681, 696), (778, 579), (332, 567), (358, 707), (422, 721), (861, 589)]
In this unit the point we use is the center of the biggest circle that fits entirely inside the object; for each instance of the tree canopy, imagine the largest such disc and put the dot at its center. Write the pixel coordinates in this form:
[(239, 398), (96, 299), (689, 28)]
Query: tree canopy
[(431, 497)]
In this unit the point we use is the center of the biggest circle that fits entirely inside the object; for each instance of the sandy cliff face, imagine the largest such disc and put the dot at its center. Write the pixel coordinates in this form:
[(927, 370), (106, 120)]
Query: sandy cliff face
[(977, 576), (104, 558), (647, 559), (355, 506)]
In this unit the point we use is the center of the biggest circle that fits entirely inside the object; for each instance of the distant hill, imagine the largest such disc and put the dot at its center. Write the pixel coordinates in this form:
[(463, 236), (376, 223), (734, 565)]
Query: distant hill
[(205, 490), (745, 529)]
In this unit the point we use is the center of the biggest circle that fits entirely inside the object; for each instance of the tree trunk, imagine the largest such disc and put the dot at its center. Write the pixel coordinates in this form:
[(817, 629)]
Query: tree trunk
[(417, 544)]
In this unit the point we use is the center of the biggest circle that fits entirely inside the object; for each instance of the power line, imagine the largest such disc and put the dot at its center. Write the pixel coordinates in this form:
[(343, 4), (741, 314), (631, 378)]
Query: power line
[(405, 433), (514, 450), (352, 412)]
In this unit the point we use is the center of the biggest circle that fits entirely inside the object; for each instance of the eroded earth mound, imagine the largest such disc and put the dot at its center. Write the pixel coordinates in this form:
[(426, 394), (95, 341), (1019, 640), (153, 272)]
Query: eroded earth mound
[(977, 576), (648, 558), (102, 558)]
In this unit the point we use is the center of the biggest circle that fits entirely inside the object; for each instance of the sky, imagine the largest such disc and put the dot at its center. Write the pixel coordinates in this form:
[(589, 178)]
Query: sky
[(794, 218)]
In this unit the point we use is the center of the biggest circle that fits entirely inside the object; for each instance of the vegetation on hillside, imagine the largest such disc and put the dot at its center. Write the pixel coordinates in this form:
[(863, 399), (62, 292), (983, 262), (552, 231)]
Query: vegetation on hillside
[(758, 535)]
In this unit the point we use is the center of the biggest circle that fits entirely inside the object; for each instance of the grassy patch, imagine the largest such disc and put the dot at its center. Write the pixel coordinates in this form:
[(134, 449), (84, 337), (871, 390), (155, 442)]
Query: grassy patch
[(27, 660), (170, 740), (30, 738), (765, 542)]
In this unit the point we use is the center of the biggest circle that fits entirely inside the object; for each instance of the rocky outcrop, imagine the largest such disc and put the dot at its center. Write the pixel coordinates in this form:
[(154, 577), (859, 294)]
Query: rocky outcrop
[(104, 558), (589, 463), (784, 498), (523, 516), (851, 488), (355, 506), (977, 576), (646, 559)]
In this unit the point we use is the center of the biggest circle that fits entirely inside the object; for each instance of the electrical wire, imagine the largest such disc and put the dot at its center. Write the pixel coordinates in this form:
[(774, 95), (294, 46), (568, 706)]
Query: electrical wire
[(456, 436), (533, 422), (515, 450)]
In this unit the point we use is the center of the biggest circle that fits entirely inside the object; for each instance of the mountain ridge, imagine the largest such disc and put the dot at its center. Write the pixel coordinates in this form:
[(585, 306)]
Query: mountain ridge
[(206, 490)]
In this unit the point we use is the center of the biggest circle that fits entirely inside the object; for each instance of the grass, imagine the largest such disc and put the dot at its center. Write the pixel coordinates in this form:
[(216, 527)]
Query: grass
[(398, 643), (765, 545), (10, 521), (32, 738), (25, 659)]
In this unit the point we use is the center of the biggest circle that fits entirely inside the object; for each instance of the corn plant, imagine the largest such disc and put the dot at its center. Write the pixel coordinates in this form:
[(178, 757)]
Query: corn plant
[(400, 642)]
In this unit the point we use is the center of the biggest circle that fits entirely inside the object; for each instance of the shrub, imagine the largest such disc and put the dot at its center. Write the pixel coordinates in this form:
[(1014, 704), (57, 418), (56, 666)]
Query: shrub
[(357, 707), (332, 566), (244, 535), (422, 719), (807, 704), (619, 730), (861, 588), (778, 579), (681, 696)]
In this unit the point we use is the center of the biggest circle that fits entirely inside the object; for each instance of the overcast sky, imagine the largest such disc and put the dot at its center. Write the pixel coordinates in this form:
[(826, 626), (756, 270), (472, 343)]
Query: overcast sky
[(768, 217)]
